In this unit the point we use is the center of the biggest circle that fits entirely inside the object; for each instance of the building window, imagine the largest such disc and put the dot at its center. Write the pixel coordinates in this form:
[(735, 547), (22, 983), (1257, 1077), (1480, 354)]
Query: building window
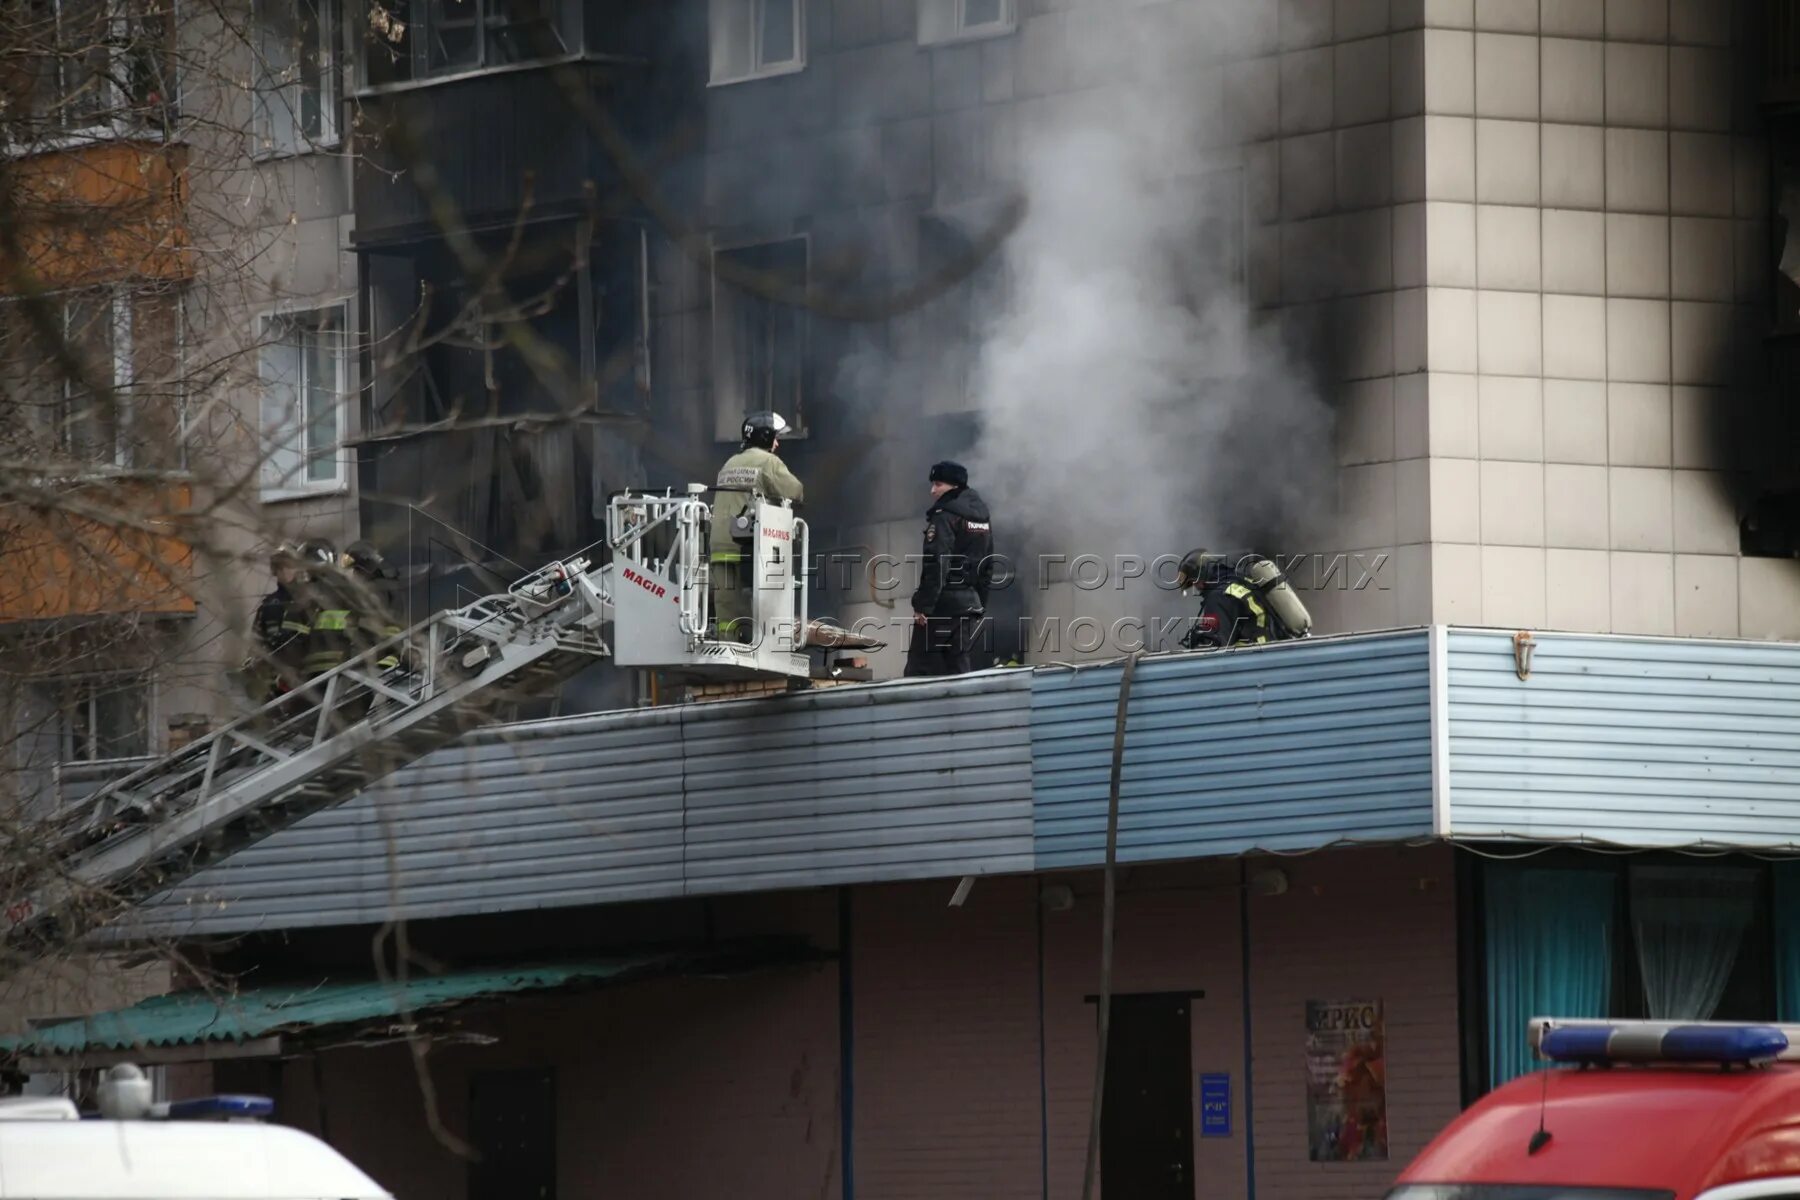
[(943, 21), (92, 423), (297, 88), (415, 40), (94, 68), (755, 38), (123, 408), (303, 371), (512, 1123), (103, 719), (945, 335), (1211, 261), (1643, 939), (759, 341)]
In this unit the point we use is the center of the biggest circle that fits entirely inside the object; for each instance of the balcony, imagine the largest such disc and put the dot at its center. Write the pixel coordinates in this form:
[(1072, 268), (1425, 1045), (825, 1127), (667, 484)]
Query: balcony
[(102, 212), (96, 549)]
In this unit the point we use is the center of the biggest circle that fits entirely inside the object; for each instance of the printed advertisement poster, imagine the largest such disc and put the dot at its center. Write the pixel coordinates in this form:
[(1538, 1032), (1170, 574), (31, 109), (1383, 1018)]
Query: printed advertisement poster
[(1346, 1081)]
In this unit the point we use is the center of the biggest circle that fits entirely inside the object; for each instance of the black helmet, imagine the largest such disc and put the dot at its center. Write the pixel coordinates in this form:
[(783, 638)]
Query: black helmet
[(317, 552), (364, 559), (762, 428), (1201, 570)]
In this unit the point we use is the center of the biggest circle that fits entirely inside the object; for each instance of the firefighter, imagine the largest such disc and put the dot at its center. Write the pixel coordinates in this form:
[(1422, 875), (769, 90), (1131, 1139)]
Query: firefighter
[(1246, 601), (280, 629), (954, 578), (755, 470), (328, 608), (372, 590)]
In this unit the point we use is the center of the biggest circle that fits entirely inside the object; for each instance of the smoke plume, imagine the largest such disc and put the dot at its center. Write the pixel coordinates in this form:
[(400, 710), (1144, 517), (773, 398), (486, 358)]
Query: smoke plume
[(1130, 402)]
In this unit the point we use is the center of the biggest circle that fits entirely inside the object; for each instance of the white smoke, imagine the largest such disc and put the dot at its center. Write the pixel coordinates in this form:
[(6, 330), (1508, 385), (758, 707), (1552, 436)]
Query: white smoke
[(1130, 403)]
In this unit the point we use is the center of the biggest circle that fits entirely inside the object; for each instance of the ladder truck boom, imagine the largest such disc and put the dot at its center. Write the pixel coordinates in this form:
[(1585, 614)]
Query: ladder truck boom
[(352, 726)]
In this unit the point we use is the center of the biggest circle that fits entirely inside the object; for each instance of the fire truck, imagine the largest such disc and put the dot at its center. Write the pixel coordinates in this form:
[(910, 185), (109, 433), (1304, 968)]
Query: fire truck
[(1629, 1110)]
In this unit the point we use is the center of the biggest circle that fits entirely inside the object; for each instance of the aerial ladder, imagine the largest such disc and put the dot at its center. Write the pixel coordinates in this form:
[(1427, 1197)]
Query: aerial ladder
[(318, 746)]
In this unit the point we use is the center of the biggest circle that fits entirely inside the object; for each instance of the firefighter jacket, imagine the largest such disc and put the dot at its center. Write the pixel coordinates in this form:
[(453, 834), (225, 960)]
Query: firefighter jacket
[(957, 566), (1232, 614), (280, 623), (280, 628), (346, 616), (751, 471)]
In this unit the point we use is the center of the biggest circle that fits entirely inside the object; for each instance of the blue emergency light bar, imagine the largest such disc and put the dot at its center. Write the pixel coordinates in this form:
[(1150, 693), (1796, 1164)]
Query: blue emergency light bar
[(1598, 1043), (212, 1108)]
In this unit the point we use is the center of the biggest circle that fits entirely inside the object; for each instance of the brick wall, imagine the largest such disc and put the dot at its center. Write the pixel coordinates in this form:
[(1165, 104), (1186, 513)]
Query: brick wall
[(1177, 930), (946, 1043), (679, 1089), (729, 1088), (949, 1098), (1356, 925)]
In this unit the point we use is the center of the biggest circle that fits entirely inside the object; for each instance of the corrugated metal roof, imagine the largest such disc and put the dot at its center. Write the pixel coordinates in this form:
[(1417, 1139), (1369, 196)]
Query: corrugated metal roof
[(909, 779), (195, 1017), (1284, 747), (1295, 746), (1625, 740)]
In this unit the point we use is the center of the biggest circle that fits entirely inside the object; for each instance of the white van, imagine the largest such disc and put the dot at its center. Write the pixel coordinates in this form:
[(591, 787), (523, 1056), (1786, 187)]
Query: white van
[(211, 1149)]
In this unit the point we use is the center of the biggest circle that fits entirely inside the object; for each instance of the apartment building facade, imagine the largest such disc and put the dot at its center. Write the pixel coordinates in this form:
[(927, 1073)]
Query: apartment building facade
[(1544, 422)]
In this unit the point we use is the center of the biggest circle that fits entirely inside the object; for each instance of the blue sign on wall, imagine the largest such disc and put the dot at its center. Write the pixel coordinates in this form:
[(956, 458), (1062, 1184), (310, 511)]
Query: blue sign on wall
[(1215, 1105)]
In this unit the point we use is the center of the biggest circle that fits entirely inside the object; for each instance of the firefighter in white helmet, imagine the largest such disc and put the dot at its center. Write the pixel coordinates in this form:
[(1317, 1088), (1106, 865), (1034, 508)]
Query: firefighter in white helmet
[(755, 470)]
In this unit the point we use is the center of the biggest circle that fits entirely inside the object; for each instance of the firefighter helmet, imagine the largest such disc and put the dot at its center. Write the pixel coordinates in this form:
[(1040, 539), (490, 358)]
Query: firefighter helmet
[(1200, 570), (364, 558), (762, 428), (317, 552)]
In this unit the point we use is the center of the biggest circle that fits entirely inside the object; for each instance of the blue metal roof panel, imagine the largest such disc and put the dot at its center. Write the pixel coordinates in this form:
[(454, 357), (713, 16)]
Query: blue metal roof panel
[(806, 789), (1279, 748), (1628, 741)]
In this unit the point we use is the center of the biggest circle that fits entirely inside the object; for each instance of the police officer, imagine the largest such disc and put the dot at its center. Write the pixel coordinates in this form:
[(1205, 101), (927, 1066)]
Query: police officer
[(954, 578), (1232, 613), (754, 470), (280, 629)]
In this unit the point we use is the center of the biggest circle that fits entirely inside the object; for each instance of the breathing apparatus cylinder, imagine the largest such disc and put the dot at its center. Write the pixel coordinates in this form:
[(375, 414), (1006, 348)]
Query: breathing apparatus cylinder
[(1280, 596)]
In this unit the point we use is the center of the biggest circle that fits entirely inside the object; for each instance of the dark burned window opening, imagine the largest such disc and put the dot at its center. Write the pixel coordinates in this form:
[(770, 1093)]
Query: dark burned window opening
[(759, 342), (411, 41)]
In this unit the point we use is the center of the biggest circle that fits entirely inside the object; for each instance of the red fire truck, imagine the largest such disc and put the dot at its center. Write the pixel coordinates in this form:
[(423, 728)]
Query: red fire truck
[(1643, 1110)]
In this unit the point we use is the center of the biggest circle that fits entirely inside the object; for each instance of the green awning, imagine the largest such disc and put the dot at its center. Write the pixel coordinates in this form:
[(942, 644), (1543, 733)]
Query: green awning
[(198, 1018)]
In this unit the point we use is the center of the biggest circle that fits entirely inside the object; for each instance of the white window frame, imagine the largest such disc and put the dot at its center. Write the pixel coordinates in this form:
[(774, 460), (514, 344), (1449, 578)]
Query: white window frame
[(728, 422), (270, 92), (297, 485), (85, 686), (118, 125), (946, 22), (721, 75), (119, 300)]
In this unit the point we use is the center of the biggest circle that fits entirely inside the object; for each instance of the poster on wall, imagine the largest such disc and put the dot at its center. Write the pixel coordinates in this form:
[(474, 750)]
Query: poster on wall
[(1346, 1081)]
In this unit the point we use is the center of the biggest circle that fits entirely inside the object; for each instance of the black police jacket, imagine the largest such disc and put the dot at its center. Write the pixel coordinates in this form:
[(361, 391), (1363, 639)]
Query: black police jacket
[(958, 565)]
